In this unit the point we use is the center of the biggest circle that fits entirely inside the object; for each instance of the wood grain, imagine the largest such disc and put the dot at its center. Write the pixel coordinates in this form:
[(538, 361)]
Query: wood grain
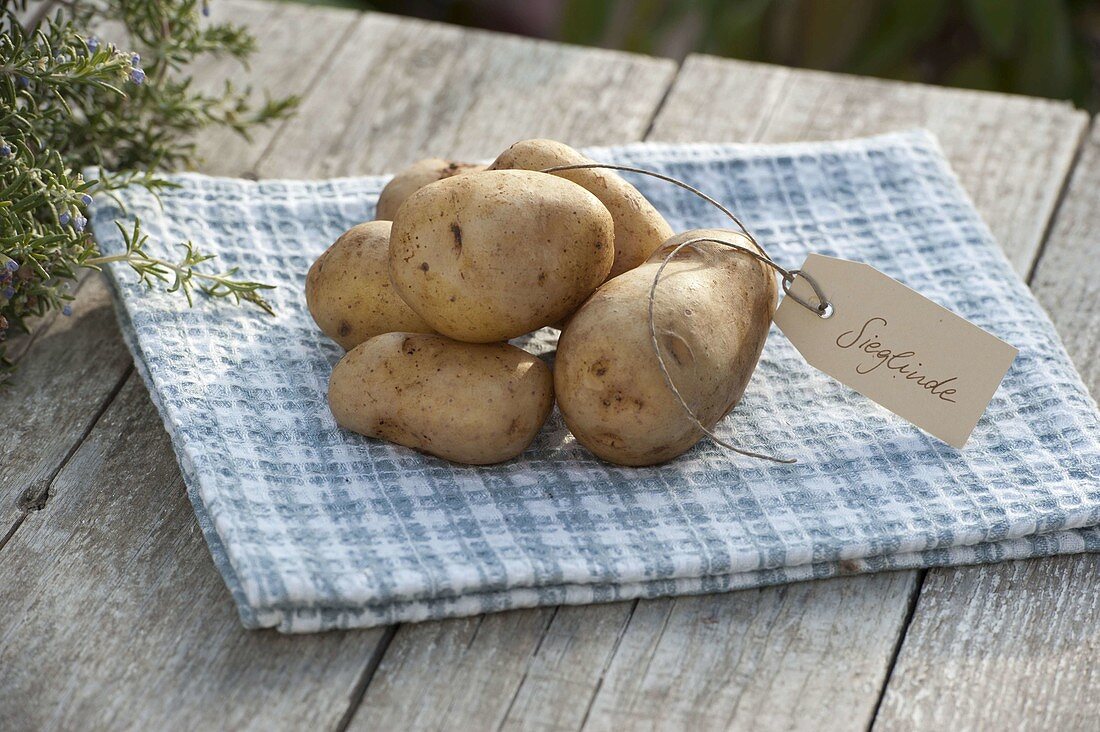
[(406, 89), (295, 45), (65, 378), (1008, 646), (1011, 153), (115, 618), (1015, 645), (803, 656), (557, 688), (442, 676), (1065, 280)]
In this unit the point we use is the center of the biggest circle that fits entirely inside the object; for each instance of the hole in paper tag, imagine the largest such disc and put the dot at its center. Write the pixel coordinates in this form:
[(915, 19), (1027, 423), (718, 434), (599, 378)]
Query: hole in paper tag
[(896, 347)]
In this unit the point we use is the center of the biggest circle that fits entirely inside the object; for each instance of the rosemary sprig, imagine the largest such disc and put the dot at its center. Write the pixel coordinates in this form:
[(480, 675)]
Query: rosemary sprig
[(71, 100), (183, 275)]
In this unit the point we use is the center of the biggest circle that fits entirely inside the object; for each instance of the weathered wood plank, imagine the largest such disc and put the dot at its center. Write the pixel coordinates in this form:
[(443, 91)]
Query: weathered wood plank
[(450, 675), (295, 45), (404, 89), (572, 658), (1013, 646), (66, 377), (115, 618), (525, 669), (1065, 279), (805, 656), (1009, 646), (1012, 153)]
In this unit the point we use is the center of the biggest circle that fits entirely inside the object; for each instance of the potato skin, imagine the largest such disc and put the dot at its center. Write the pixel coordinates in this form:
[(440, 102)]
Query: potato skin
[(348, 289), (713, 311), (468, 403), (639, 227), (413, 178), (489, 256)]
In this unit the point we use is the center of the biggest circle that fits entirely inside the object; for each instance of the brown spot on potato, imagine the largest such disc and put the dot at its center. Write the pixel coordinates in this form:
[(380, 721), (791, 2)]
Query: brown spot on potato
[(456, 232), (599, 368), (345, 329), (542, 278), (424, 267)]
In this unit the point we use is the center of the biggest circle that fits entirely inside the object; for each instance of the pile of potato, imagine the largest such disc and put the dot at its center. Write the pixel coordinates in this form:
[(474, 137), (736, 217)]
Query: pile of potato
[(464, 258)]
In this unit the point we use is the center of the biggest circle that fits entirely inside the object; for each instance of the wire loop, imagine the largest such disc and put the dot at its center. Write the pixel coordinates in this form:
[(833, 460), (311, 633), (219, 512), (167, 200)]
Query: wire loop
[(823, 309)]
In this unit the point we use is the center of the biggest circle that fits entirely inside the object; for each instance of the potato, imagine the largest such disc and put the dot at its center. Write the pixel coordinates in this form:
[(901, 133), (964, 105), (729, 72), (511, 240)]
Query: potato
[(348, 289), (492, 255), (465, 402), (713, 309), (415, 177), (639, 228)]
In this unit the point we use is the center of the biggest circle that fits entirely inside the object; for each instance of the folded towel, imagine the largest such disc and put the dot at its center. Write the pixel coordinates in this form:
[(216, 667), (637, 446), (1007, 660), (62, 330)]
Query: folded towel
[(314, 527)]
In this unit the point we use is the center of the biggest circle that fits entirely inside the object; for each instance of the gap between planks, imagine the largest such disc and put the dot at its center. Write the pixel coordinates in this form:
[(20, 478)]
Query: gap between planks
[(1063, 191), (1009, 644), (590, 129)]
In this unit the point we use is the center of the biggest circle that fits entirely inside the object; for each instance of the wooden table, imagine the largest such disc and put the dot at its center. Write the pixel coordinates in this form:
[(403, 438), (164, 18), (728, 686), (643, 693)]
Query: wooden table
[(113, 616)]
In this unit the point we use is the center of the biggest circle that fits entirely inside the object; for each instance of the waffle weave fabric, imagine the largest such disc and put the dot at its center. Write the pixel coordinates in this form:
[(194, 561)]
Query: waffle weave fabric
[(315, 528)]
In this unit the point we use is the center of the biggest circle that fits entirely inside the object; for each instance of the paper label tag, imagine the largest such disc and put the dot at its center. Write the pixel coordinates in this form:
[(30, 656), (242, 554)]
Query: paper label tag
[(896, 347)]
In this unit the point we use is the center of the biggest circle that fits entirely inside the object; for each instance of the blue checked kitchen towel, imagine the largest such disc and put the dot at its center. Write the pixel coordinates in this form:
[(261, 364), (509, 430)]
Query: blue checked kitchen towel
[(316, 528)]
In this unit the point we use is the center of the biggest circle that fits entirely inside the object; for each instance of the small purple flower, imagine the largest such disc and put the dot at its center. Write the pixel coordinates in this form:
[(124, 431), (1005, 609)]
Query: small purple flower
[(206, 9), (86, 200), (5, 277), (8, 292), (23, 81), (5, 151), (135, 60), (64, 219), (93, 44), (137, 76), (79, 222), (67, 310), (12, 265)]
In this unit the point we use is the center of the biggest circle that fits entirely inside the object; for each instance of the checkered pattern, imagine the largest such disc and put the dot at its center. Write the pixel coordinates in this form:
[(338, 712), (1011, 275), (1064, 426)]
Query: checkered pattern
[(315, 528)]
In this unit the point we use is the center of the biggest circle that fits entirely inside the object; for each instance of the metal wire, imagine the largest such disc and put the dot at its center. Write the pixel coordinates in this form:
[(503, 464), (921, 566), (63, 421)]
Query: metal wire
[(823, 309)]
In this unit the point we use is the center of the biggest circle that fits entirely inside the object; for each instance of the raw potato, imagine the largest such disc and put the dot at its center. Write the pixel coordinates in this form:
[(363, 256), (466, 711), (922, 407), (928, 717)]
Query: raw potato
[(413, 178), (348, 289), (465, 402), (639, 228), (490, 256), (713, 310)]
